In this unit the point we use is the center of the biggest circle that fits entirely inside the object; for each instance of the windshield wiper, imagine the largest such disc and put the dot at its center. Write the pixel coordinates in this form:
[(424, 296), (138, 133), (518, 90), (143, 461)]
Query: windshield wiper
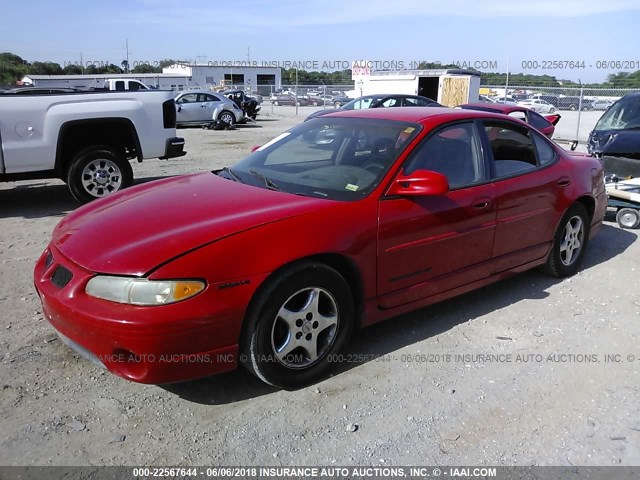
[(267, 182), (234, 176)]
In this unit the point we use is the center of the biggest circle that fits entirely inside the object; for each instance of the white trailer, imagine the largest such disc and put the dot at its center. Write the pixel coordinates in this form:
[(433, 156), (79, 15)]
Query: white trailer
[(449, 87)]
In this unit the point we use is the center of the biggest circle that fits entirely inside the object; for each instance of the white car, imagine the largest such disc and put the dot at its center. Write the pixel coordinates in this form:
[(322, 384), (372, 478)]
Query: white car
[(202, 107), (508, 100), (538, 106), (602, 104)]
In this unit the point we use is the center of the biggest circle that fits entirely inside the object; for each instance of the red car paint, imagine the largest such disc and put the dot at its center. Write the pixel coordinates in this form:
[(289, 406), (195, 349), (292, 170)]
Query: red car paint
[(398, 253), (544, 123)]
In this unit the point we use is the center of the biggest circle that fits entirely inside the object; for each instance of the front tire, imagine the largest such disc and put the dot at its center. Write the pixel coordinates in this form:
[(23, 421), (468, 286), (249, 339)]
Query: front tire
[(97, 172), (569, 243), (296, 323)]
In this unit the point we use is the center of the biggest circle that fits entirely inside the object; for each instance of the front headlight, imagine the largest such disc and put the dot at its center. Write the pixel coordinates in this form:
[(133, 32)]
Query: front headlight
[(140, 291)]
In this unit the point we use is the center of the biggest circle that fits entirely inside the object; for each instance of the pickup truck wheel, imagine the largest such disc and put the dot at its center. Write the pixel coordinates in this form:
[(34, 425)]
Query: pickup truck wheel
[(573, 107), (97, 172)]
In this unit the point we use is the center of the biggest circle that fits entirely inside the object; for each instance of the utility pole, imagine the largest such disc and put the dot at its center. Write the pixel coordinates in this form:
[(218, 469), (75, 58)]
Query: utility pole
[(126, 40)]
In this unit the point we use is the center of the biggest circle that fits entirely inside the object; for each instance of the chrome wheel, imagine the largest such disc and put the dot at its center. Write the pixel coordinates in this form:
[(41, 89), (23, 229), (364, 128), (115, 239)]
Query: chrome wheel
[(101, 177), (572, 240), (305, 327), (227, 117)]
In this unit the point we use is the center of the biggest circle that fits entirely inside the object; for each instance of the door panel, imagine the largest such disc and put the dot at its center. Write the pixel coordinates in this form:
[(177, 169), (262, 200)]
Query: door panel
[(526, 196), (189, 108), (430, 244)]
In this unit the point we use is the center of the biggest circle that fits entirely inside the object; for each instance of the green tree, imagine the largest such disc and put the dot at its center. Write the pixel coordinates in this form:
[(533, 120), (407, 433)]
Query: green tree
[(12, 68), (45, 68), (72, 69), (146, 68)]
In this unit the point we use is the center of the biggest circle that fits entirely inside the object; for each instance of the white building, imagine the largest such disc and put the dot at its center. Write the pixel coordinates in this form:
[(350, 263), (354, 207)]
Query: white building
[(261, 79), (175, 77), (153, 80)]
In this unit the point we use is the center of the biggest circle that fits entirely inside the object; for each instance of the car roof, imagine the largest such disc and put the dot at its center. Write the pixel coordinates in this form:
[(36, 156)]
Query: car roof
[(415, 114), (496, 107)]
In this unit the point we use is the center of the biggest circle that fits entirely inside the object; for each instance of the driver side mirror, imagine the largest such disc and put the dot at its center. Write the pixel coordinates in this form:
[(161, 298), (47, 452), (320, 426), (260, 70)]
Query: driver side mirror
[(419, 183), (179, 107)]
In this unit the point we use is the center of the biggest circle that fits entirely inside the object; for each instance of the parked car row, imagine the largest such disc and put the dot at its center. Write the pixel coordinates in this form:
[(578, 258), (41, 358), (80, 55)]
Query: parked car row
[(381, 101), (539, 102), (288, 98)]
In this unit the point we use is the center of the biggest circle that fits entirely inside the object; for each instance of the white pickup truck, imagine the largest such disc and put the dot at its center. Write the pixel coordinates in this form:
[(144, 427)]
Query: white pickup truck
[(86, 139)]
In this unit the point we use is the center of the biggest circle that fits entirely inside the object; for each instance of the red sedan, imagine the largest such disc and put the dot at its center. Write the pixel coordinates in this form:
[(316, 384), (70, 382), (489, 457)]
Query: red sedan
[(338, 223), (545, 124)]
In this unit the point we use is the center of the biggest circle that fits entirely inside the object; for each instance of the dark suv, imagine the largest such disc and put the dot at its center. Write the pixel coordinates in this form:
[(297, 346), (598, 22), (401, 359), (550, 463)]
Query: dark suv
[(616, 137)]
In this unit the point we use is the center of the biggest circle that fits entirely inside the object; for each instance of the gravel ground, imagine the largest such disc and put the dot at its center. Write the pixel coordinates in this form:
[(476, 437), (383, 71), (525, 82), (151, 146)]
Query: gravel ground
[(419, 389)]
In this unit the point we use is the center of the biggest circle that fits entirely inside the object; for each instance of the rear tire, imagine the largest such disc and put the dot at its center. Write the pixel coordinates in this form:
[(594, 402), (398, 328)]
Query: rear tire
[(569, 243), (302, 317), (97, 172), (227, 117), (628, 217)]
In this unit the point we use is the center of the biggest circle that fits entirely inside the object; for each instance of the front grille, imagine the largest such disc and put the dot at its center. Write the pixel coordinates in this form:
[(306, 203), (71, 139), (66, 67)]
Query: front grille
[(61, 277), (49, 260)]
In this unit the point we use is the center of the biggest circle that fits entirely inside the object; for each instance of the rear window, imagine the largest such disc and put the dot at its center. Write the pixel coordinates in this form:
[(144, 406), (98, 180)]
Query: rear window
[(624, 114)]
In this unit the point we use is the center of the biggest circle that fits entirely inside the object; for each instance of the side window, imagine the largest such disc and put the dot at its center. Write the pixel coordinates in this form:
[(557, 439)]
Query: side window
[(546, 154), (120, 85), (519, 116), (188, 98), (205, 97), (538, 121), (512, 148), (390, 102), (134, 86), (413, 102), (454, 152)]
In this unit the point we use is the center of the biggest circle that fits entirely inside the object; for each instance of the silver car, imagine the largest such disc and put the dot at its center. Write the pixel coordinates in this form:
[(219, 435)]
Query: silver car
[(202, 107)]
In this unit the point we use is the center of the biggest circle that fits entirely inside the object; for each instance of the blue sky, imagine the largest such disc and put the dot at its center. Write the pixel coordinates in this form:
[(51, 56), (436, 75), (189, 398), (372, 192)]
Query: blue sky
[(505, 32)]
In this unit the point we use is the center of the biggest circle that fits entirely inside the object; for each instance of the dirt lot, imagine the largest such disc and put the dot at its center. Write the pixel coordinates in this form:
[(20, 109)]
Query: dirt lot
[(552, 397)]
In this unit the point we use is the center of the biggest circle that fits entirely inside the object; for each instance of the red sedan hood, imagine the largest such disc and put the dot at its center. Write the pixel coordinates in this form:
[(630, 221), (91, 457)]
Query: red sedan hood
[(140, 228)]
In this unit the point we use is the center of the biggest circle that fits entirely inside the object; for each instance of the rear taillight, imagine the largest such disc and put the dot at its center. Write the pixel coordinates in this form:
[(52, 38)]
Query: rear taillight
[(169, 114)]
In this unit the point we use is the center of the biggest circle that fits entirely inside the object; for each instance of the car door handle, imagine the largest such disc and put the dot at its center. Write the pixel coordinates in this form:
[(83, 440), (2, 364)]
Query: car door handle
[(482, 203), (564, 181)]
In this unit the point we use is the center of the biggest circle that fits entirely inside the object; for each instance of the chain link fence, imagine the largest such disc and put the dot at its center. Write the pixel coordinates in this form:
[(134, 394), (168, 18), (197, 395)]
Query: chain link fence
[(580, 107)]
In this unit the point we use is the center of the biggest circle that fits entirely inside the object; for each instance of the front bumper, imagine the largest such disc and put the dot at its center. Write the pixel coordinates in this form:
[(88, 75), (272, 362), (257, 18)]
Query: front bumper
[(160, 344), (174, 148)]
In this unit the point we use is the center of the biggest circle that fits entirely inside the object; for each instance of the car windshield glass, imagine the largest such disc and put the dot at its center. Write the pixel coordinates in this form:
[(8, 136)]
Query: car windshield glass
[(624, 114), (360, 103), (334, 158)]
